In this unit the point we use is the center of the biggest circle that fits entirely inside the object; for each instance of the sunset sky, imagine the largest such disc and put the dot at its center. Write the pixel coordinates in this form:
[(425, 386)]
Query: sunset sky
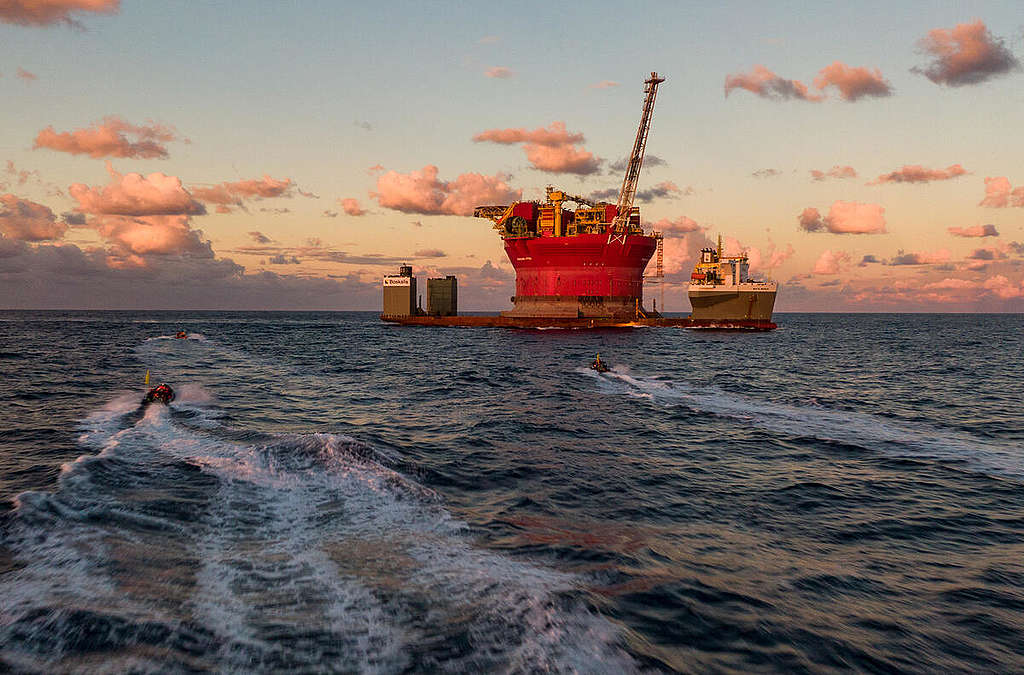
[(270, 155)]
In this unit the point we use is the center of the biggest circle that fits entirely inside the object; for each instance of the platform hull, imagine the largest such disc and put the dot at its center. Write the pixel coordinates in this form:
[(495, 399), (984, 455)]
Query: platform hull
[(580, 276), (502, 321)]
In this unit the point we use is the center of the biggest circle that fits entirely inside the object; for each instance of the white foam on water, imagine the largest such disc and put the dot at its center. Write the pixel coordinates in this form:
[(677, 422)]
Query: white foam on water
[(303, 534), (872, 432)]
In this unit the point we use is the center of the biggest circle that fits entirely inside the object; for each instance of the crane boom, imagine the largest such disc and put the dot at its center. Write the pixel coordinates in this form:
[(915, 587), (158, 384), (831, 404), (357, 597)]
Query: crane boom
[(636, 161)]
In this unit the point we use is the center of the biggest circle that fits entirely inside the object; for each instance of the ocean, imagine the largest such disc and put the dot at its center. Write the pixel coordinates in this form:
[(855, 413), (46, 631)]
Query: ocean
[(328, 493)]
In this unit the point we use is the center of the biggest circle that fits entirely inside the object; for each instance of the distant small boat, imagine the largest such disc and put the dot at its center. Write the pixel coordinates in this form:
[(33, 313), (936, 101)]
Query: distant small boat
[(599, 365), (181, 335)]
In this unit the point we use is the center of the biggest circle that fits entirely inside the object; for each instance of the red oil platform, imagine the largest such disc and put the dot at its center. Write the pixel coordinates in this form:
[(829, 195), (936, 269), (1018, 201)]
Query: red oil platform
[(579, 267)]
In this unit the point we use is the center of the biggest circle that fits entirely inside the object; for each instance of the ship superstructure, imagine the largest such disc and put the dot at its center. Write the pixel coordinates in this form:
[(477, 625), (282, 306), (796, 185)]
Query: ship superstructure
[(721, 289), (582, 262)]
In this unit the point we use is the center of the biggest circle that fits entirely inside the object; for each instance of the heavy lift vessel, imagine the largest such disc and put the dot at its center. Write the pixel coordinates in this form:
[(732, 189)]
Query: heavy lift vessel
[(581, 267)]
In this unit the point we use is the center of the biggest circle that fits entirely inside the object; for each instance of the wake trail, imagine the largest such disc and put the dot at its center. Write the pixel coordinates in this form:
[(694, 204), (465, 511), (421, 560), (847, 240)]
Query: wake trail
[(871, 432)]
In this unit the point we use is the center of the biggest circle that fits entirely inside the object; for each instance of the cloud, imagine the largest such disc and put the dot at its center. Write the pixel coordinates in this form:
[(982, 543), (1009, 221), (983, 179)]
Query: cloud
[(133, 239), (430, 253), (67, 277), (680, 225), (609, 194), (552, 149), (421, 192), (363, 124), (974, 231), (830, 262), (604, 84), (920, 258), (22, 175), (488, 40), (283, 260), (27, 76), (227, 195), (50, 12), (500, 72), (133, 194), (845, 218), (619, 165), (965, 54), (810, 220), (759, 262), (351, 206), (999, 194), (919, 174), (25, 220), (853, 83), (868, 259), (664, 189), (836, 171), (986, 254), (1003, 287), (766, 173), (329, 214), (260, 238), (113, 137), (767, 84)]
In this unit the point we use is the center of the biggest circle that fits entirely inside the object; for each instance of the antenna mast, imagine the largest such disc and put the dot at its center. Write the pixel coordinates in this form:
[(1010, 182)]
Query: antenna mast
[(636, 160)]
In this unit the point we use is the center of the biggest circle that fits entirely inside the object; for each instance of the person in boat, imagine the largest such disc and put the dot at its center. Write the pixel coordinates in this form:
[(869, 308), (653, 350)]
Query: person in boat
[(599, 365), (181, 335), (161, 393)]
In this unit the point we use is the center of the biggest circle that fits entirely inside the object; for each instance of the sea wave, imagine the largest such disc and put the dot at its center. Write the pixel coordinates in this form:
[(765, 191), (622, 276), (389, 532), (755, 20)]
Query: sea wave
[(867, 431), (184, 548)]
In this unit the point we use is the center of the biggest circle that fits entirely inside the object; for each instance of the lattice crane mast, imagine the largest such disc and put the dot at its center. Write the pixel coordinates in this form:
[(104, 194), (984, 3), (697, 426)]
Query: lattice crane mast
[(636, 160)]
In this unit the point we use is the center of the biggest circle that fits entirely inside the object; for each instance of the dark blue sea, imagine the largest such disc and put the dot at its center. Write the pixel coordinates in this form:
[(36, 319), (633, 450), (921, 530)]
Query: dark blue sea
[(330, 493)]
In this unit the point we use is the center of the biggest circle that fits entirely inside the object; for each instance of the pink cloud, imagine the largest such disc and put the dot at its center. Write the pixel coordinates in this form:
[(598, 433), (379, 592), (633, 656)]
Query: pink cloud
[(919, 174), (965, 54), (830, 262), (114, 137), (999, 194), (133, 238), (853, 83), (133, 194), (767, 84), (25, 220), (49, 12), (562, 159), (1003, 287), (500, 72), (680, 225), (974, 231), (845, 218), (27, 76), (422, 192), (237, 193), (554, 135), (758, 261), (552, 149), (835, 172), (351, 206), (948, 284), (604, 84)]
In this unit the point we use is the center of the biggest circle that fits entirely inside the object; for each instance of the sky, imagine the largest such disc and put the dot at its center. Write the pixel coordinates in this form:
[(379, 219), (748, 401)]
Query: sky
[(269, 155)]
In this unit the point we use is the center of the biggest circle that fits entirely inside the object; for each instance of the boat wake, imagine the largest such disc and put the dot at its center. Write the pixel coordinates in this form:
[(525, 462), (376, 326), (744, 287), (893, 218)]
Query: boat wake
[(183, 545), (870, 432)]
